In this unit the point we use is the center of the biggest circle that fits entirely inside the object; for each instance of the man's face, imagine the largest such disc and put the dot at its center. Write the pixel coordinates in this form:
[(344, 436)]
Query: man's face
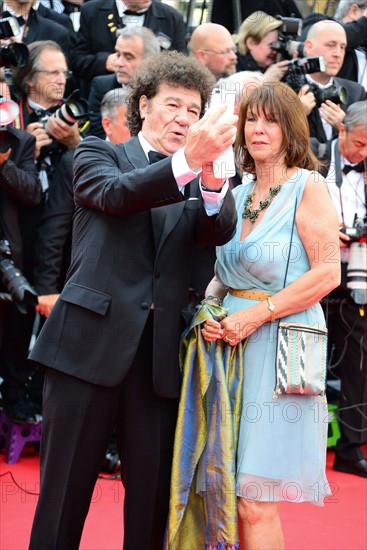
[(129, 57), (47, 85), (117, 129), (220, 57), (330, 42), (137, 5), (353, 143), (168, 116)]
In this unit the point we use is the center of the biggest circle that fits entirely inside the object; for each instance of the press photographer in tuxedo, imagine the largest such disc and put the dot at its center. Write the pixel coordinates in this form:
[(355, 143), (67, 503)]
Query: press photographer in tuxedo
[(110, 345), (347, 305), (39, 89), (20, 190)]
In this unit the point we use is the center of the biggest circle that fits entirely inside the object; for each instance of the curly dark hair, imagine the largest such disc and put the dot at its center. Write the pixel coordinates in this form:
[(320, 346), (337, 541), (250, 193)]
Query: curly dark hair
[(172, 68), (277, 100)]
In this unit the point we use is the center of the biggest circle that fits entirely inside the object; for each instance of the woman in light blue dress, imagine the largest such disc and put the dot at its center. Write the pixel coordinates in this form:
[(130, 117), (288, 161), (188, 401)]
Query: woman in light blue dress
[(282, 442)]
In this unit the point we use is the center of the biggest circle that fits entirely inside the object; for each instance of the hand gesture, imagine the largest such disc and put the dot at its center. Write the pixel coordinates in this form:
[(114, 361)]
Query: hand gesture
[(276, 71), (307, 98), (42, 138), (63, 133), (332, 113), (208, 138)]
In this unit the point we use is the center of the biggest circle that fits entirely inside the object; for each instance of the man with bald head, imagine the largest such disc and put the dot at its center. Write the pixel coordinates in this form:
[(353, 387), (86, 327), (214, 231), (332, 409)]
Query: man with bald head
[(213, 46), (328, 38)]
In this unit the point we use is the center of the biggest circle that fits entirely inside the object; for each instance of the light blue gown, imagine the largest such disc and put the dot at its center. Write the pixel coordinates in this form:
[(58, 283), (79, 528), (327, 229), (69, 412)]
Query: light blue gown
[(282, 442)]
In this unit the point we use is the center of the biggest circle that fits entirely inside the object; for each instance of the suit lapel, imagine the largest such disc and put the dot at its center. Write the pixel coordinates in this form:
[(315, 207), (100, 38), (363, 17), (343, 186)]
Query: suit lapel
[(138, 159), (163, 218)]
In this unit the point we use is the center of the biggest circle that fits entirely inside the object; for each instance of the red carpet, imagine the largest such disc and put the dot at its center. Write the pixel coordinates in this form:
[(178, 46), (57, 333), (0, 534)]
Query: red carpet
[(340, 525)]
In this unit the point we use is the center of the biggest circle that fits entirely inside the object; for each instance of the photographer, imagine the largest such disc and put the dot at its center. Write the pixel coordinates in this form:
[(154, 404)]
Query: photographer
[(333, 94), (347, 308), (20, 189), (39, 88)]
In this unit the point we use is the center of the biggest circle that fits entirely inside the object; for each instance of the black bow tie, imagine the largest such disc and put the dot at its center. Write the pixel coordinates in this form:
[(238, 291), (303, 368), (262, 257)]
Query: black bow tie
[(154, 156), (130, 12), (356, 167)]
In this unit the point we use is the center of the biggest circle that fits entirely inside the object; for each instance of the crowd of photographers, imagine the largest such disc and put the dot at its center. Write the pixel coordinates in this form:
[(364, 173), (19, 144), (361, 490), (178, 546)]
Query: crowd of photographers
[(57, 62)]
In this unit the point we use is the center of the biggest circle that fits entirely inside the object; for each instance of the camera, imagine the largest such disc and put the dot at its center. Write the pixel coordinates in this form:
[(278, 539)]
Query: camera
[(14, 55), (357, 264), (17, 286), (295, 78), (287, 45), (72, 110)]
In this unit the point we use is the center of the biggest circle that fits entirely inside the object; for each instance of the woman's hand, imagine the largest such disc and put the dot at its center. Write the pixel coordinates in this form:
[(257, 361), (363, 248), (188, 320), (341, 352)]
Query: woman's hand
[(239, 325), (212, 330)]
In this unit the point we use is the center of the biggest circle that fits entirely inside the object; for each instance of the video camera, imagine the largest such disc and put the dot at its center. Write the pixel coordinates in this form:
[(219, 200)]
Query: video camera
[(20, 290), (14, 55), (287, 45), (357, 264)]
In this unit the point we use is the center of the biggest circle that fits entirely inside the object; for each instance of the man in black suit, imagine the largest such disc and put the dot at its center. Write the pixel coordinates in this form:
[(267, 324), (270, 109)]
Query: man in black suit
[(35, 26), (353, 16), (345, 171), (328, 39), (111, 342), (39, 89), (133, 45), (94, 52), (20, 188)]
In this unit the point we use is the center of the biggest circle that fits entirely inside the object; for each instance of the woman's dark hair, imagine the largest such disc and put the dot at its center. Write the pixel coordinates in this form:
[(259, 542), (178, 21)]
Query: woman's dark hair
[(279, 101), (174, 69)]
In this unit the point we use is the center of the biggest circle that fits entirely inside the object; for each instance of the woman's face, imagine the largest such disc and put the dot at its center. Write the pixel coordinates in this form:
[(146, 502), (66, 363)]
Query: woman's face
[(264, 137), (262, 52)]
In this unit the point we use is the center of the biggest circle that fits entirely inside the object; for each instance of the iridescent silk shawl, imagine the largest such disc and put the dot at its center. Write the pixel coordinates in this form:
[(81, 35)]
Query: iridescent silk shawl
[(203, 502)]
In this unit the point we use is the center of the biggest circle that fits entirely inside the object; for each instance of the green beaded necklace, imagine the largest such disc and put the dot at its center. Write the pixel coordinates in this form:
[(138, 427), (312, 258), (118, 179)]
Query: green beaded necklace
[(252, 214)]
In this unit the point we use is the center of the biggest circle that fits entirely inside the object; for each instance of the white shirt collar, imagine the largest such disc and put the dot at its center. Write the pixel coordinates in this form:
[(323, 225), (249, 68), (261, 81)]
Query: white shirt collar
[(312, 81), (145, 144)]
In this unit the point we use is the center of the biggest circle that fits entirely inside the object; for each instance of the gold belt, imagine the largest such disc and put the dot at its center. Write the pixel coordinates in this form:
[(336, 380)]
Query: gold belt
[(250, 294)]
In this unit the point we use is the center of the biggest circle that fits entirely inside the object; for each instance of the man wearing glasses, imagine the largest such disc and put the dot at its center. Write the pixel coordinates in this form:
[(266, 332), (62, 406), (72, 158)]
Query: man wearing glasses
[(213, 46)]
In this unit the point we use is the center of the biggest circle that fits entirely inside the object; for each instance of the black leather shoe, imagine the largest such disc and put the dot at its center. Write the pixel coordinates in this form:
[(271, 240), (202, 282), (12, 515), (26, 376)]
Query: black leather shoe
[(357, 467)]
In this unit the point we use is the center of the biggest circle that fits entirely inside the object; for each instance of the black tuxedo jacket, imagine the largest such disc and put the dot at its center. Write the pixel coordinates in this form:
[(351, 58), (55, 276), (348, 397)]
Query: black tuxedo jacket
[(355, 92), (99, 87), (97, 34), (40, 28), (53, 237), (19, 186), (133, 246)]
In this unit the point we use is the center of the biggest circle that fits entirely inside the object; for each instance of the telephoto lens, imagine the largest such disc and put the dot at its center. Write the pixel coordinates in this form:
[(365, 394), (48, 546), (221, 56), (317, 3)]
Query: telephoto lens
[(357, 272)]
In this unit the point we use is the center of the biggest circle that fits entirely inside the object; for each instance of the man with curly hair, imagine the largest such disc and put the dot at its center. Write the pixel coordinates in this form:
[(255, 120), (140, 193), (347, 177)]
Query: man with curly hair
[(110, 346)]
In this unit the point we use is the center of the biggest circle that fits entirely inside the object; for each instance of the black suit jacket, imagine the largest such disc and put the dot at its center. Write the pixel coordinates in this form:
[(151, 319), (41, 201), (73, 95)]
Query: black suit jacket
[(53, 237), (133, 245), (19, 186), (97, 34), (99, 87), (355, 92), (40, 28)]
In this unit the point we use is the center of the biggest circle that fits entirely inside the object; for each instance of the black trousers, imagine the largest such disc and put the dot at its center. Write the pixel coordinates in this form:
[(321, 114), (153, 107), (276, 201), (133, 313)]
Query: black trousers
[(78, 419), (348, 342)]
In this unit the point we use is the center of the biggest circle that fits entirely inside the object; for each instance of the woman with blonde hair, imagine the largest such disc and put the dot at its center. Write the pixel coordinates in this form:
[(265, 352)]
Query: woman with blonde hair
[(254, 39)]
